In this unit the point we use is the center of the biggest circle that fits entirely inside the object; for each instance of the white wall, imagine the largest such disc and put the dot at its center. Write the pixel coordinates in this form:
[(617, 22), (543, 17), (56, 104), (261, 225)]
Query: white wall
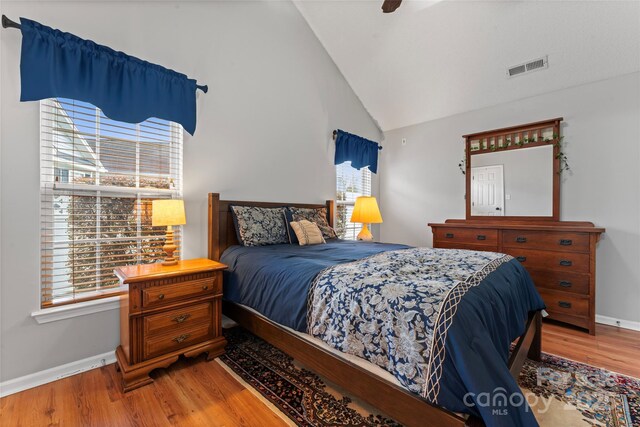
[(263, 134), (421, 181)]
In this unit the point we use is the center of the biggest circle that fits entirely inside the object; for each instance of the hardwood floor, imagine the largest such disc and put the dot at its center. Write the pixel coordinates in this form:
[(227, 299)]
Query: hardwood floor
[(612, 348), (194, 392)]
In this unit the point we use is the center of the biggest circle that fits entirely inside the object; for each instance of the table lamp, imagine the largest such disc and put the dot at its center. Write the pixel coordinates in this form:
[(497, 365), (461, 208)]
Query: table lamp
[(168, 212), (366, 211)]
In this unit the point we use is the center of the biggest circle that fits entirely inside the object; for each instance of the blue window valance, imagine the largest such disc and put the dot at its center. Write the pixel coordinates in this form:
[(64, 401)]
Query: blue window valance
[(57, 64), (359, 151)]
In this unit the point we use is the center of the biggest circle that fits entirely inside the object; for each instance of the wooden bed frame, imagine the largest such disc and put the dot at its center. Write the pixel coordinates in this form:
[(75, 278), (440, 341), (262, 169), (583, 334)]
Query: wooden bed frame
[(396, 402)]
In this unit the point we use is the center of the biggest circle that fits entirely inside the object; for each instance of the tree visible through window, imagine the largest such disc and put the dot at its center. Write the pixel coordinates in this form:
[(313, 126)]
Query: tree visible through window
[(98, 178), (351, 183)]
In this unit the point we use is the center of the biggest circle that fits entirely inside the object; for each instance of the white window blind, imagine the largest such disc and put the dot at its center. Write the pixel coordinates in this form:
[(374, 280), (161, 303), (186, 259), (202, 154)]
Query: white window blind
[(97, 180), (351, 184)]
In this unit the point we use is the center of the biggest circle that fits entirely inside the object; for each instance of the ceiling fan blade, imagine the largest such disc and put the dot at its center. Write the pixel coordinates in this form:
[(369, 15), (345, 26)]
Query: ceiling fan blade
[(390, 5)]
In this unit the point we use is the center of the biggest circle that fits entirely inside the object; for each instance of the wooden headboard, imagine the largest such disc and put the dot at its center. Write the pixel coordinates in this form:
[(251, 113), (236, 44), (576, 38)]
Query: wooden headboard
[(222, 233)]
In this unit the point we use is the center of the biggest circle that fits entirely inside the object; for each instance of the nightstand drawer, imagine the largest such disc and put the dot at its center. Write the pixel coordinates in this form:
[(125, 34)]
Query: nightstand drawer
[(177, 319), (159, 295), (184, 337), (547, 240)]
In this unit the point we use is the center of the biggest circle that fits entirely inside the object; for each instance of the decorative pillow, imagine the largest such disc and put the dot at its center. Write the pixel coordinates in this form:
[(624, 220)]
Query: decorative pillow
[(257, 226), (307, 232), (315, 215)]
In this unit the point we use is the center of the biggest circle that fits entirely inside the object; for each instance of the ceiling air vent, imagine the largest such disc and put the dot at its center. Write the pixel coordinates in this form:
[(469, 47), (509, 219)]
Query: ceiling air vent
[(527, 67)]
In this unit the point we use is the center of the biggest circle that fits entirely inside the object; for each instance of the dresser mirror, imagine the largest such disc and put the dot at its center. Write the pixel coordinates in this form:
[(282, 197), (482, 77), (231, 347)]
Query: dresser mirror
[(513, 173)]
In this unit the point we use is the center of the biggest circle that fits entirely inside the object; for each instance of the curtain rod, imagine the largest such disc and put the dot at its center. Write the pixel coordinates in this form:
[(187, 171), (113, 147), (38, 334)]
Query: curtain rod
[(8, 23), (335, 134)]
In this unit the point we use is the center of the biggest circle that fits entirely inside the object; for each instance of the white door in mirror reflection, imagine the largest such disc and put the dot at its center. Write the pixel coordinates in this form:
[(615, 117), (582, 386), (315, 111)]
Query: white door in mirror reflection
[(487, 191)]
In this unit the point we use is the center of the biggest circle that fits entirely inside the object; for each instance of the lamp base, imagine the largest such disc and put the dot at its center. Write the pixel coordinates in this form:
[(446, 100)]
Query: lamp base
[(365, 234), (169, 247)]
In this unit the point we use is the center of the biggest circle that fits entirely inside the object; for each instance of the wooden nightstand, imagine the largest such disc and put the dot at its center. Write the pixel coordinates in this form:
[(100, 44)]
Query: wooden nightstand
[(167, 312)]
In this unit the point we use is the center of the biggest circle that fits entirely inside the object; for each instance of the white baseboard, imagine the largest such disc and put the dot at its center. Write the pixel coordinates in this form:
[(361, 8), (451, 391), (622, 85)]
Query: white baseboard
[(621, 323), (56, 373)]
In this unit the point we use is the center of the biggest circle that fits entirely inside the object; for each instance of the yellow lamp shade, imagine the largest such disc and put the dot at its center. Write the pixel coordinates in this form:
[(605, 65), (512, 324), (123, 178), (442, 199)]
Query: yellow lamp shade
[(366, 211), (168, 212)]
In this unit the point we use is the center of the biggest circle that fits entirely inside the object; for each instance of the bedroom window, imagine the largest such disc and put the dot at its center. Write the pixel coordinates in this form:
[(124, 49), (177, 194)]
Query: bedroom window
[(350, 184), (97, 180)]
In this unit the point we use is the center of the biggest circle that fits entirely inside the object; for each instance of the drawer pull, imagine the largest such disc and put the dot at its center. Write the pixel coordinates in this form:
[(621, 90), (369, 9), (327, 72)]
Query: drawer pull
[(181, 318), (205, 287), (565, 263), (161, 296), (481, 237), (566, 242), (521, 239), (521, 258), (181, 338), (449, 235), (565, 284), (564, 304)]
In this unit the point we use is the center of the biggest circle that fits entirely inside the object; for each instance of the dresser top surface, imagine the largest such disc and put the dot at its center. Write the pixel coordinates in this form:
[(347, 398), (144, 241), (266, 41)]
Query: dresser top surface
[(142, 272), (560, 226)]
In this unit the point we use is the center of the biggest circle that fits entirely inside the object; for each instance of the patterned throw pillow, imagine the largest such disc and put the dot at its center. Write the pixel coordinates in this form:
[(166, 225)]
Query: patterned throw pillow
[(315, 215), (307, 233), (257, 226)]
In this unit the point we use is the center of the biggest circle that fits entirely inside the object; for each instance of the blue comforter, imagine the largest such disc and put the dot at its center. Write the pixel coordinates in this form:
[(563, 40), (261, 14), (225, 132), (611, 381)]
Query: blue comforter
[(275, 279), (389, 308)]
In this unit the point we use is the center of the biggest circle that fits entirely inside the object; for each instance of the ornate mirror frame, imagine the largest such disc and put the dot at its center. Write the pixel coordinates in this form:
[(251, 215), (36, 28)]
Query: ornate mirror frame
[(515, 138)]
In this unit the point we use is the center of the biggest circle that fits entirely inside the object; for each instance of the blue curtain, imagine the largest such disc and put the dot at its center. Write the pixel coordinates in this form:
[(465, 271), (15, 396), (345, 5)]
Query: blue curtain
[(359, 151), (57, 64)]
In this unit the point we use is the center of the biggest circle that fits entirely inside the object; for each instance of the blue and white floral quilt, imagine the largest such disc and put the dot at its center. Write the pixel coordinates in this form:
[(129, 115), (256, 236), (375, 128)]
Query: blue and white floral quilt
[(395, 309)]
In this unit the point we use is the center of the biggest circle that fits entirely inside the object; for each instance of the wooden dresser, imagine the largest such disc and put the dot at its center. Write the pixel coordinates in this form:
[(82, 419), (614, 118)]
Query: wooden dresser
[(559, 256), (168, 311)]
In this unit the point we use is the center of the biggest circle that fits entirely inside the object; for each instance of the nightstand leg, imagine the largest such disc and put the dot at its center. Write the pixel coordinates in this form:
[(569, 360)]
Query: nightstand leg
[(129, 384), (134, 376)]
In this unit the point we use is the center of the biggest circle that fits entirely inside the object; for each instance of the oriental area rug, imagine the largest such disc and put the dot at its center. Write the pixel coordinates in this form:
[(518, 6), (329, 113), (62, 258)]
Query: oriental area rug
[(561, 392)]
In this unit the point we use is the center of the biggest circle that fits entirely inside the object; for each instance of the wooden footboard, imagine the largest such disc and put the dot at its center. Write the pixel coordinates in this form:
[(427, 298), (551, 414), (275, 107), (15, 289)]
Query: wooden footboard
[(396, 402)]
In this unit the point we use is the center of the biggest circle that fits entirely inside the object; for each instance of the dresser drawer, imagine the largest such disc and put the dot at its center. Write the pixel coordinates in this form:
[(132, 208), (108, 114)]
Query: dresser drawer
[(475, 236), (177, 319), (547, 240), (558, 261), (165, 294), (184, 337), (564, 303), (468, 246), (560, 281)]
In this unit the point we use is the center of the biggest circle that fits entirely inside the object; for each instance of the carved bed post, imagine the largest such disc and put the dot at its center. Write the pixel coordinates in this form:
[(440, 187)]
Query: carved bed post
[(214, 226), (330, 212)]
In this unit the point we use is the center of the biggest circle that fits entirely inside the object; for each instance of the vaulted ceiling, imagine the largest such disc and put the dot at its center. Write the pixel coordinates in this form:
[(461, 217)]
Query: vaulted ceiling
[(433, 59)]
